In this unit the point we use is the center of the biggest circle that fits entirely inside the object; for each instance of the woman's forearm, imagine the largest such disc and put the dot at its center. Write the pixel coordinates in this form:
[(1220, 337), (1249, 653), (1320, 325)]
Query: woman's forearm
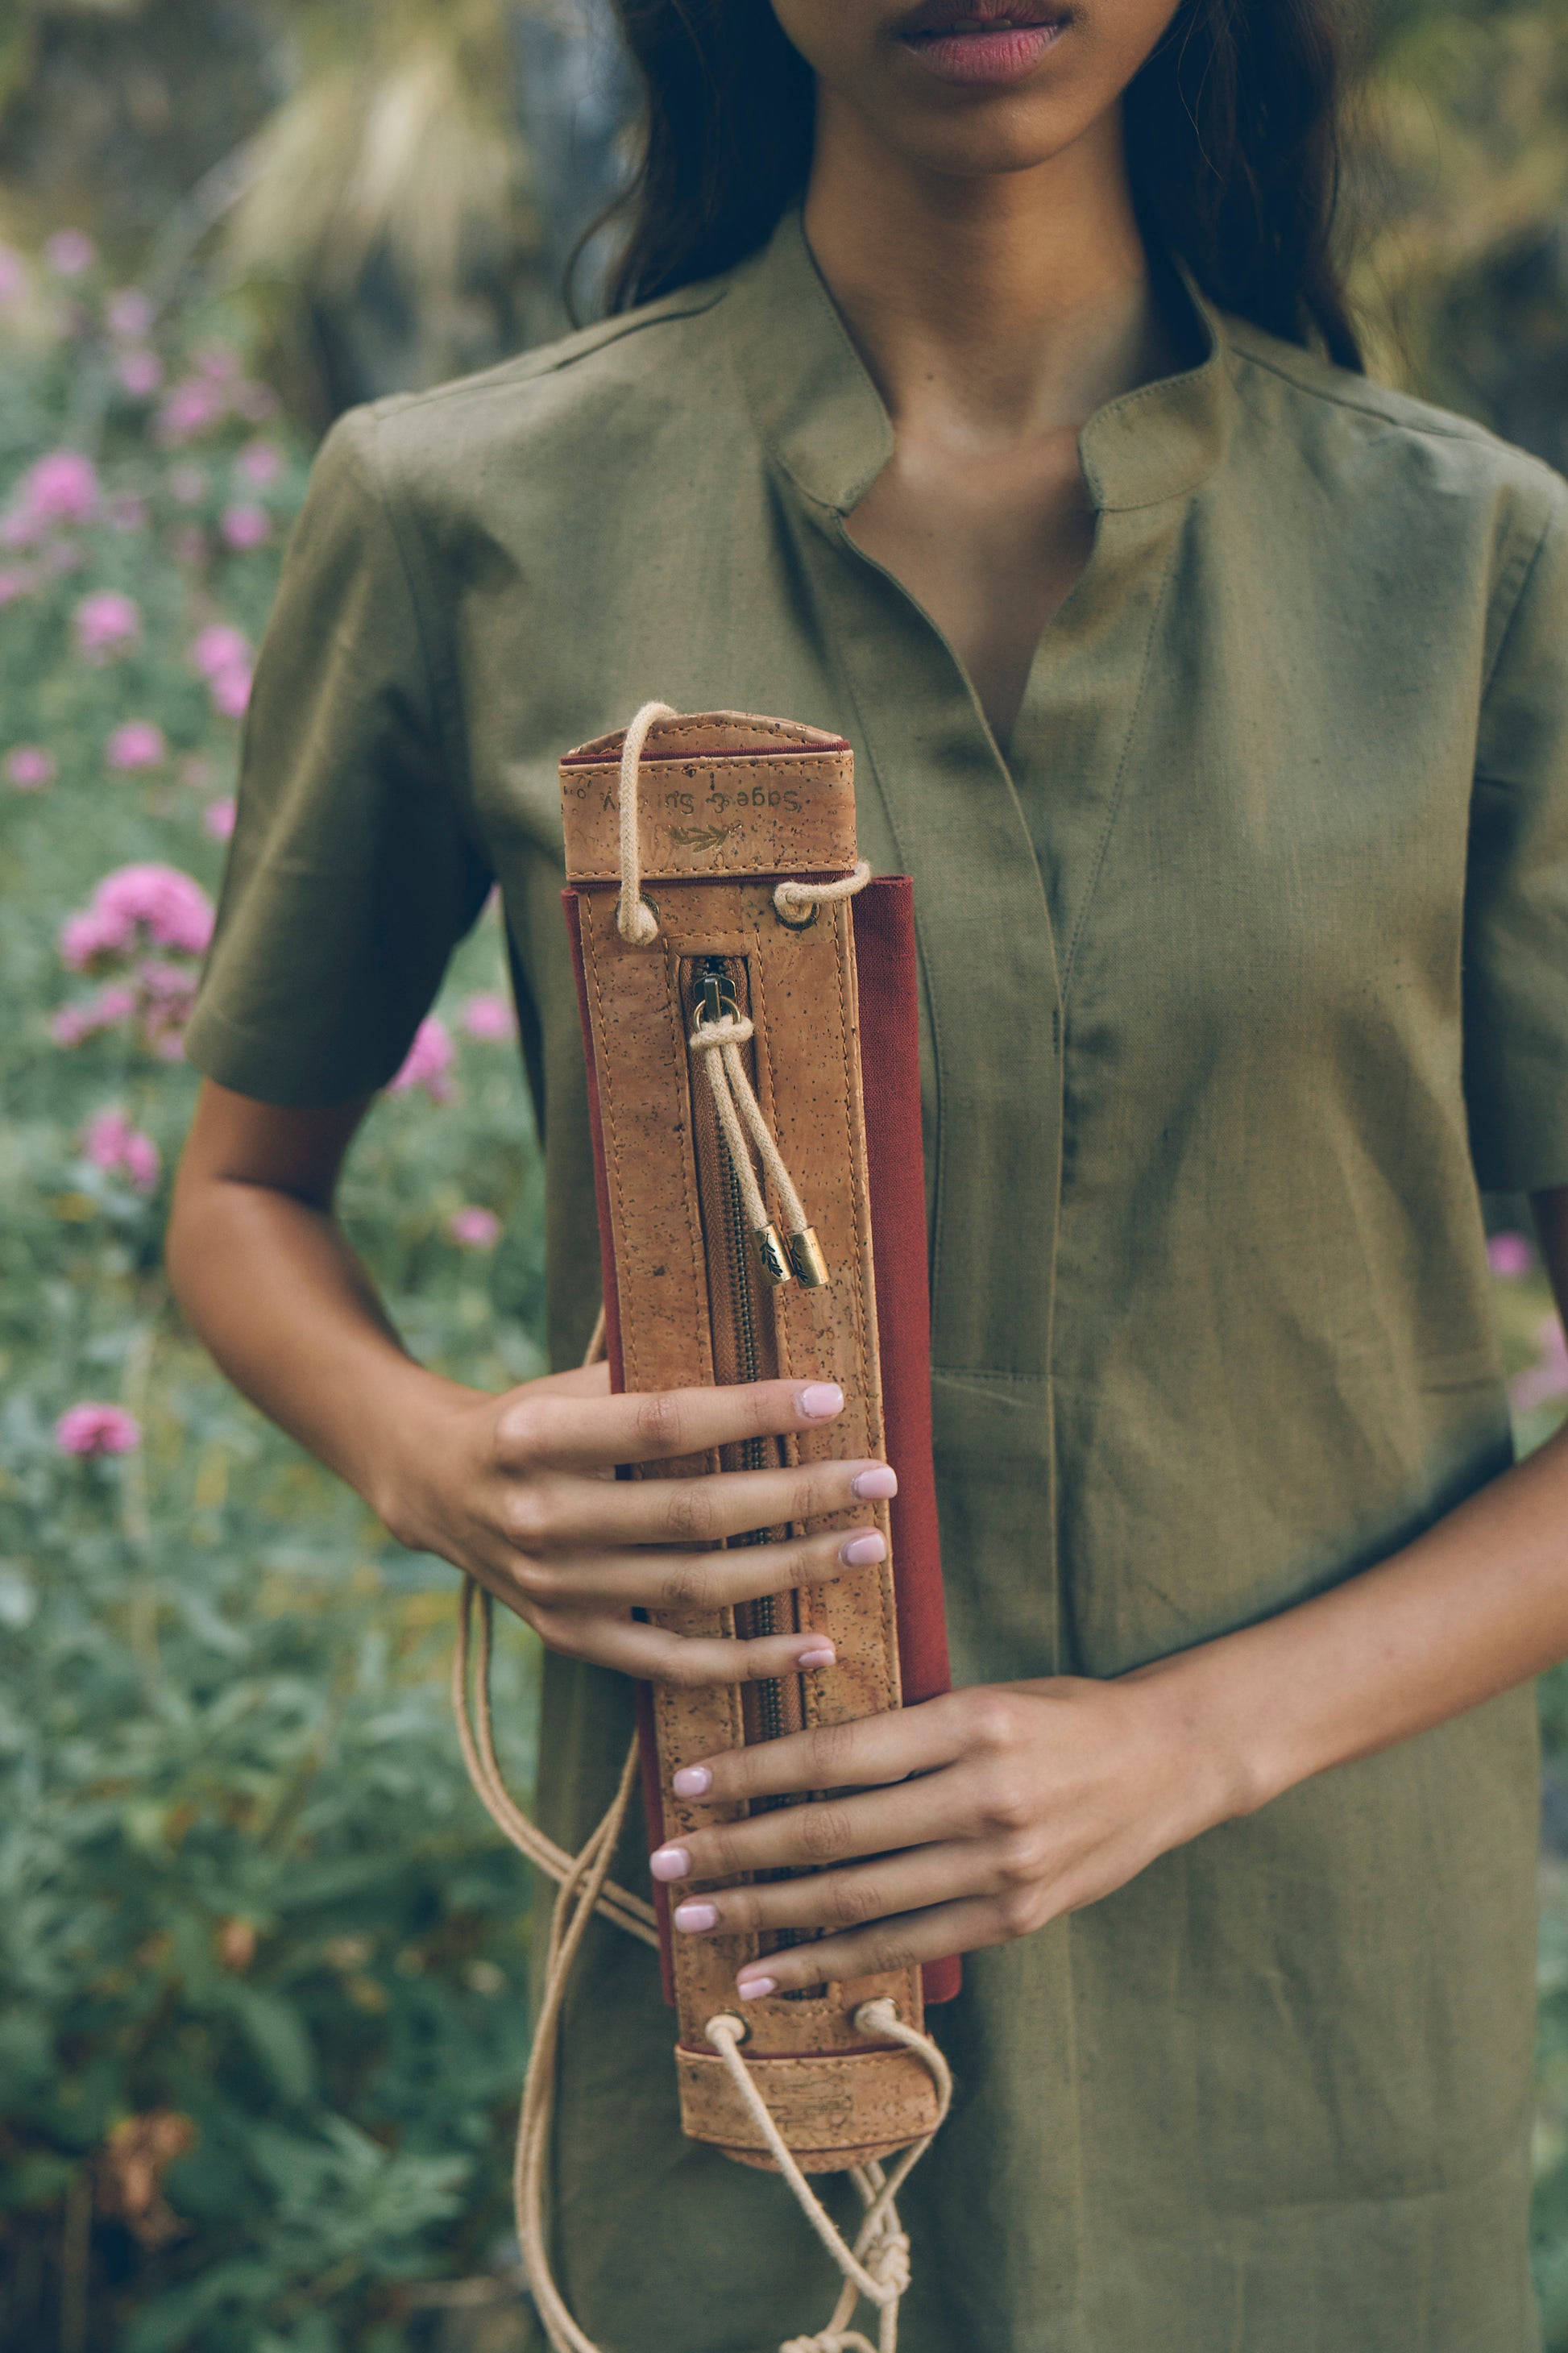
[(269, 1281), (1476, 1605)]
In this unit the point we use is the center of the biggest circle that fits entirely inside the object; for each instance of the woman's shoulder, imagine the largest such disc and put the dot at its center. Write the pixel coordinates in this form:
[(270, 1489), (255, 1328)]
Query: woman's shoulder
[(572, 414), (1377, 448)]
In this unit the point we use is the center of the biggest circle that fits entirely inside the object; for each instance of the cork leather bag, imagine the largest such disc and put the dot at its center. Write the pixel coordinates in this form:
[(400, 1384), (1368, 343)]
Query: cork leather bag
[(821, 993)]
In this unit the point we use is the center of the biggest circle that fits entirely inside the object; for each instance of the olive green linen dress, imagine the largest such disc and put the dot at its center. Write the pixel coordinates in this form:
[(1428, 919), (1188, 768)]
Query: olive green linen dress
[(1240, 966)]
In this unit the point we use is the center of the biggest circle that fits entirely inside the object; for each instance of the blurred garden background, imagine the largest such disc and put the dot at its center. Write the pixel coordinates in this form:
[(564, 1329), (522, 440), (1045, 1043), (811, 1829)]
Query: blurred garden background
[(262, 1987)]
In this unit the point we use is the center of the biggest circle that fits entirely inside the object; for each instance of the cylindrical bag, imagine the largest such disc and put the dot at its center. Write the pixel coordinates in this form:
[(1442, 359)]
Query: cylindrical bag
[(749, 1009)]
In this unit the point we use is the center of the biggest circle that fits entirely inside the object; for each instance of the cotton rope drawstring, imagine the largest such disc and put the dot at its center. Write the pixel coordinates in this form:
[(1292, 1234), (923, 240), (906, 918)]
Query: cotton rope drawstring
[(877, 2265), (719, 1038), (635, 919), (719, 1043)]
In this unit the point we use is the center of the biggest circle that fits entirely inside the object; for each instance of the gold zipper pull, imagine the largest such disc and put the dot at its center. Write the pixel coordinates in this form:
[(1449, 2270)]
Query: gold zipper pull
[(771, 1256), (805, 1257)]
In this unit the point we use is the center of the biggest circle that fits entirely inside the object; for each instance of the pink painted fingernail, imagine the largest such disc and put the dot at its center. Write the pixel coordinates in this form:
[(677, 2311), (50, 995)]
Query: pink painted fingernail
[(692, 1781), (821, 1655), (693, 1918), (819, 1400), (756, 1989), (859, 1552), (878, 1485), (670, 1863)]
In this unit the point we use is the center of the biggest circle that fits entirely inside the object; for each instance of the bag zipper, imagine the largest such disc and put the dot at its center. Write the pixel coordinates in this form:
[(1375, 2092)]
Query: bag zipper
[(741, 1322)]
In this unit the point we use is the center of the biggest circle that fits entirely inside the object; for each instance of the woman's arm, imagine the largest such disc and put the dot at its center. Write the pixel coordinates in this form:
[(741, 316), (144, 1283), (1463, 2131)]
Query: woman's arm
[(519, 1489), (1035, 1799)]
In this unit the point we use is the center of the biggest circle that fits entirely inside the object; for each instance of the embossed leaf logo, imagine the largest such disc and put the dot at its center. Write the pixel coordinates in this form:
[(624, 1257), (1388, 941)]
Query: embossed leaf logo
[(701, 837)]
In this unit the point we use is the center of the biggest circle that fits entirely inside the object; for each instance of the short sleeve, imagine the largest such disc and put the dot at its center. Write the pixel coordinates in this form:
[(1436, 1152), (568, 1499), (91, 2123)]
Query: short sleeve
[(1516, 915), (351, 873)]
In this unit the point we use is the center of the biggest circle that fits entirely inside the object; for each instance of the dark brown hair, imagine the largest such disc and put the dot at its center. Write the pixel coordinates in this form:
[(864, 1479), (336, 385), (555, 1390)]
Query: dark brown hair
[(1232, 141)]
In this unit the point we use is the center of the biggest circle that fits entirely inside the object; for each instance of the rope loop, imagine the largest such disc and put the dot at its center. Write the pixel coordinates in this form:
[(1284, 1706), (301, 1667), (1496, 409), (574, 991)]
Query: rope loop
[(635, 919), (794, 903), (878, 2265)]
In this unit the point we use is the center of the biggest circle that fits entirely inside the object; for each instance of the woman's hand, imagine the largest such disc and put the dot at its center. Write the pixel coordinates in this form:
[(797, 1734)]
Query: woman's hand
[(973, 1819), (521, 1490)]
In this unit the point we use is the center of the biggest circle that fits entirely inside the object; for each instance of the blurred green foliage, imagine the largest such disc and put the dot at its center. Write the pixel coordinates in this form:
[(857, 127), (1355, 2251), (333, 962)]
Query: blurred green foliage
[(262, 1987)]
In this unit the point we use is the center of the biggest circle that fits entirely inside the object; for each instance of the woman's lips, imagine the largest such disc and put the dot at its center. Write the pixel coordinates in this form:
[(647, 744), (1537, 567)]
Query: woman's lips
[(974, 49)]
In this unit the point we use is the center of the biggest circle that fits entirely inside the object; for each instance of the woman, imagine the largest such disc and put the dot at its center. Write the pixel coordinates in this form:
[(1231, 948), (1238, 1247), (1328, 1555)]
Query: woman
[(1215, 699)]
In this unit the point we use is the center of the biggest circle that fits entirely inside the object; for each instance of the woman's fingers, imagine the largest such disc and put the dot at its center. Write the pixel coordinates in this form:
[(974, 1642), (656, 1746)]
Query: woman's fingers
[(547, 1514), (846, 1899), (615, 1639), (911, 1814), (547, 1426), (690, 1660), (645, 1579), (874, 1748), (900, 1942)]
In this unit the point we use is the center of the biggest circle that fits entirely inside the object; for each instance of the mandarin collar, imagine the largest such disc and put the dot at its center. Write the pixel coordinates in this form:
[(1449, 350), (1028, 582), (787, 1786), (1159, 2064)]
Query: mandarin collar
[(823, 418)]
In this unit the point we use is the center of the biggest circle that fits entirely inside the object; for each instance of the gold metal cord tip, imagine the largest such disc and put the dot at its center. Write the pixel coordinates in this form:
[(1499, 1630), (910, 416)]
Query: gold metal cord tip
[(805, 1257), (771, 1254)]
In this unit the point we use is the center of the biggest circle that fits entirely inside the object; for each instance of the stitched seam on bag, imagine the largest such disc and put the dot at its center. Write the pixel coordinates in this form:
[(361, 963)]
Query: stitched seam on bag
[(607, 1121)]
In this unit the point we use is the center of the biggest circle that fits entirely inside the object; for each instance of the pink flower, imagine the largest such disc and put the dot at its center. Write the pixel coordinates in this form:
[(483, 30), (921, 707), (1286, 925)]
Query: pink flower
[(111, 1142), (230, 691), (127, 511), (188, 484), (69, 252), (130, 314), (61, 488), (217, 819), (488, 1016), (428, 1063), (172, 907), (217, 648), (246, 525), (168, 906), (98, 1429), (30, 767), (1510, 1255), (218, 363), (137, 745), (190, 408), (87, 937), (1547, 1379), (13, 274), (106, 624), (107, 1011), (475, 1228), (259, 463), (139, 373)]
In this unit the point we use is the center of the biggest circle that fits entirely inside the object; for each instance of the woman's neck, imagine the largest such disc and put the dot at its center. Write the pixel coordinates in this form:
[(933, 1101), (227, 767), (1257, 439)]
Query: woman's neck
[(1000, 307)]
